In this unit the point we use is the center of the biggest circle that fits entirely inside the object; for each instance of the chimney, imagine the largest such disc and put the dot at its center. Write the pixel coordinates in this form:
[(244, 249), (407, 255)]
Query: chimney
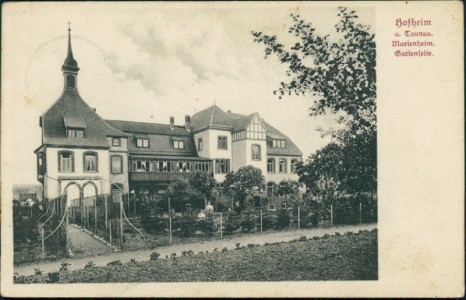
[(187, 123), (172, 123)]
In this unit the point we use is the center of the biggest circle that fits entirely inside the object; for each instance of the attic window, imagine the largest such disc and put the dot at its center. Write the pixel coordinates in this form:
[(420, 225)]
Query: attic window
[(74, 127), (75, 133), (177, 144), (278, 143), (142, 142)]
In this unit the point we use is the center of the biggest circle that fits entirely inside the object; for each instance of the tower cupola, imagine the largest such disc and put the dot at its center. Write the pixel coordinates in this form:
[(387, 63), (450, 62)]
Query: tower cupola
[(70, 66)]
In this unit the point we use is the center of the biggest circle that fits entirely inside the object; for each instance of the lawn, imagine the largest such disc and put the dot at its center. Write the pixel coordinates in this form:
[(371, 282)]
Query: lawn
[(352, 256)]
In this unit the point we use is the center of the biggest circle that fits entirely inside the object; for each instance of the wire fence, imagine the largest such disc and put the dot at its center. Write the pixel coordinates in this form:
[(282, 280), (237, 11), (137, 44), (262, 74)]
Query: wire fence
[(118, 219)]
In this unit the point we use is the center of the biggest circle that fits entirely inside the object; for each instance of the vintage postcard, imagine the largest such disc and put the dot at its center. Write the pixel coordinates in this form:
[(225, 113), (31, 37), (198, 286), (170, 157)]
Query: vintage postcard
[(232, 149)]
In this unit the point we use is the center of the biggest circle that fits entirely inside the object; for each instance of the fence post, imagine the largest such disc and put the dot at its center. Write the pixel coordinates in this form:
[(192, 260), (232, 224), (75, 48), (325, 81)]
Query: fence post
[(95, 215), (110, 235), (331, 214), (299, 219), (43, 241), (121, 223), (106, 213), (255, 223), (221, 225), (360, 213), (170, 220), (261, 220)]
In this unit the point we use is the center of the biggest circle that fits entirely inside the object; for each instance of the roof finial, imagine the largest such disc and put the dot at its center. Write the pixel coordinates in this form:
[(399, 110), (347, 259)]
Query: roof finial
[(70, 62)]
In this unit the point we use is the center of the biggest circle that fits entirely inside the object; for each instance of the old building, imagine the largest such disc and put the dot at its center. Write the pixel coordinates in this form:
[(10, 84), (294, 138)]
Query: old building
[(83, 155)]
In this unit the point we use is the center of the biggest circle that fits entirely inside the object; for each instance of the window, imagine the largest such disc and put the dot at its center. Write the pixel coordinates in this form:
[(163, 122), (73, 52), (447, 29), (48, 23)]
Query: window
[(222, 142), (293, 165), (116, 141), (70, 81), (90, 162), (271, 165), (41, 163), (222, 166), (75, 133), (282, 165), (65, 161), (141, 165), (178, 144), (256, 152), (200, 146), (142, 143), (117, 164), (278, 143)]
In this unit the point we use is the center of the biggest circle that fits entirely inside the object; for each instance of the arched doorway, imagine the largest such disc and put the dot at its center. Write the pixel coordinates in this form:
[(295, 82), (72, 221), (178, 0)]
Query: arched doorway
[(72, 191)]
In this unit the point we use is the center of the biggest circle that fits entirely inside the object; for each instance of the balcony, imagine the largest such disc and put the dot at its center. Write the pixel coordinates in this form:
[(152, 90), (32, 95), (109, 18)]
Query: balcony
[(156, 176)]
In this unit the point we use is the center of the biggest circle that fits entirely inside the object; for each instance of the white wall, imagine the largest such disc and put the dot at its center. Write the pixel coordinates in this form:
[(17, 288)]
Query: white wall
[(54, 186), (205, 143), (122, 151), (277, 176)]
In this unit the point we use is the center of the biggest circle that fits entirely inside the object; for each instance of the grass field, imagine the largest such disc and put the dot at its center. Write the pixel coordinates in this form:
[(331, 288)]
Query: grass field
[(352, 256)]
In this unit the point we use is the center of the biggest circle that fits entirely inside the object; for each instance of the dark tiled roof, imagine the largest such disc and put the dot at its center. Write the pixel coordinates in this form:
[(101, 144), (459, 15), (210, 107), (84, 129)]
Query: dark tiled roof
[(211, 117), (273, 133), (142, 127), (160, 138), (214, 116), (71, 106)]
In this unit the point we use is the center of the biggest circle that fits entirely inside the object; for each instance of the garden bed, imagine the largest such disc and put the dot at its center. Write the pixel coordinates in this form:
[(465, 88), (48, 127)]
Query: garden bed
[(352, 256)]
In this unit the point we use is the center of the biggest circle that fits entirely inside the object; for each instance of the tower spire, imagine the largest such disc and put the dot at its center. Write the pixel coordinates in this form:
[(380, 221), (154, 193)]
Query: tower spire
[(70, 66)]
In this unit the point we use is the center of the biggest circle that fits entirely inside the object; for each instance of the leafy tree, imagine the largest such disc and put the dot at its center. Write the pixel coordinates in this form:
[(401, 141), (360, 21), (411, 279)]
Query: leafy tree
[(244, 181), (289, 189), (180, 193), (339, 72), (202, 184)]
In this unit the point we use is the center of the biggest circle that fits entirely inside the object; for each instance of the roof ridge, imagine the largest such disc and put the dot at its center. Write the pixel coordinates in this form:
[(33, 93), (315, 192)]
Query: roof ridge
[(212, 114)]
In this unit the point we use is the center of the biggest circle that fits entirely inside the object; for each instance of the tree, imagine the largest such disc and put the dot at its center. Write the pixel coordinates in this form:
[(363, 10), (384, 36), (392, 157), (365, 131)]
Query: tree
[(289, 189), (180, 193), (339, 72), (342, 73), (244, 181), (202, 183)]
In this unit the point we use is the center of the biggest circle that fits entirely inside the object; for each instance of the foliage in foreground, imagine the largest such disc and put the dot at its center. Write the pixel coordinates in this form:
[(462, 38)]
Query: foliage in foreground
[(352, 256)]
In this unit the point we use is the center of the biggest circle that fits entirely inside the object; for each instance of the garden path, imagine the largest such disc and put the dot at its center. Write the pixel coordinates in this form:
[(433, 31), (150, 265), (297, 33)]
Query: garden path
[(85, 245), (230, 243)]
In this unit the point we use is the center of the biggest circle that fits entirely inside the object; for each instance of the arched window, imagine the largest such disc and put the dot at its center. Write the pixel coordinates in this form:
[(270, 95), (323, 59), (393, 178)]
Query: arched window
[(70, 81), (282, 165), (90, 160), (65, 161), (271, 165)]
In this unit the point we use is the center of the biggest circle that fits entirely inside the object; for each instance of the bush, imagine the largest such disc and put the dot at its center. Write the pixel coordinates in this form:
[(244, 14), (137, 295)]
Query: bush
[(115, 263), (187, 223), (154, 256), (247, 222), (269, 220), (283, 219), (232, 223)]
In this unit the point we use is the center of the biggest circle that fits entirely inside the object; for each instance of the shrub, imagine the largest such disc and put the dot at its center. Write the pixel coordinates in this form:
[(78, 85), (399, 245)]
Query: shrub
[(64, 266), (54, 277), (269, 220), (232, 223), (154, 256), (89, 265), (283, 219), (247, 222), (187, 223), (115, 263)]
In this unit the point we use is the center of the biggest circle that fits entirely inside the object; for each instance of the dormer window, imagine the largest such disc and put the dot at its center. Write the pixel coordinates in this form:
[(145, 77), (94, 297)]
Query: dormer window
[(278, 143), (74, 127), (75, 133), (177, 144), (142, 142)]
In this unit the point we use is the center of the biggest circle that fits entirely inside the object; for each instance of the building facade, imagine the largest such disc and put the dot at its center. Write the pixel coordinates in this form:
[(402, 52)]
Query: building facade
[(83, 155)]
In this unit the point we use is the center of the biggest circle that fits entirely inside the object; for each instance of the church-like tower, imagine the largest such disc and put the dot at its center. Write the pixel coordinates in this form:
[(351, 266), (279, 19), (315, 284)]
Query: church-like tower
[(70, 67)]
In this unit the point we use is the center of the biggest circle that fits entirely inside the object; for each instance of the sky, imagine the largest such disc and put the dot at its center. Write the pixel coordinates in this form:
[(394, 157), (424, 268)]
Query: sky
[(148, 61)]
